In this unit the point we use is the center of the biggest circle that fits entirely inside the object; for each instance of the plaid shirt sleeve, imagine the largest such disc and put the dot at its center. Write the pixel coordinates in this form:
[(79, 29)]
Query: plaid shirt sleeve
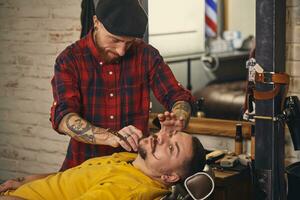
[(165, 87), (65, 89)]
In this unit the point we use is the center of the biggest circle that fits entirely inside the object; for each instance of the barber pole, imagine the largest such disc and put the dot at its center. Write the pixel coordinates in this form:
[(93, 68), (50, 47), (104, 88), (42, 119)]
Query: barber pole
[(211, 28)]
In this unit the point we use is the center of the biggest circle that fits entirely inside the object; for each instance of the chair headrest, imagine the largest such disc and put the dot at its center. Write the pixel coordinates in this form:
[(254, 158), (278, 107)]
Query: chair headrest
[(200, 185)]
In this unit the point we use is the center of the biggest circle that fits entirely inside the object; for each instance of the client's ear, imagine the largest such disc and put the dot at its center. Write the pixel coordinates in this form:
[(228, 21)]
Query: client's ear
[(170, 178)]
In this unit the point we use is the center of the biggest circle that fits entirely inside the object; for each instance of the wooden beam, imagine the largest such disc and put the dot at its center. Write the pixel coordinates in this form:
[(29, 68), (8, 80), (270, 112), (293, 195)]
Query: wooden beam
[(212, 127)]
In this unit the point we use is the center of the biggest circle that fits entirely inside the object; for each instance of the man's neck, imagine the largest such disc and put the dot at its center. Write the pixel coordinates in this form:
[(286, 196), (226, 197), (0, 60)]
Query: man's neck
[(139, 163)]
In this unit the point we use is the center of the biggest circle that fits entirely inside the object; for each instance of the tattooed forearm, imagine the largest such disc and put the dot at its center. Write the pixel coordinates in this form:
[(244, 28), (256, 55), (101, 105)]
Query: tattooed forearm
[(81, 130)]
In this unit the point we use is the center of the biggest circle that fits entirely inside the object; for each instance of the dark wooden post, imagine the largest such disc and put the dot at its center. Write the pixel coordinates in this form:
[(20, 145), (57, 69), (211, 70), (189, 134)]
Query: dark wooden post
[(270, 54)]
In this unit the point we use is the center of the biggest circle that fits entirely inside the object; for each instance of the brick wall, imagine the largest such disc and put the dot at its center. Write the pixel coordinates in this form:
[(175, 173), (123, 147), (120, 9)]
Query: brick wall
[(32, 33), (293, 62)]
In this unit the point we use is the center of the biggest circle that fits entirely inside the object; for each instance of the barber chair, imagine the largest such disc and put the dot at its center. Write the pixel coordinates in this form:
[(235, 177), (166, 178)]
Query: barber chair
[(199, 186), (223, 100)]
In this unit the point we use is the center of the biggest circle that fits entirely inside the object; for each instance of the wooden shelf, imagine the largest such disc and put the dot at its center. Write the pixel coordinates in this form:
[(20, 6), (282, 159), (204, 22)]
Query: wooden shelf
[(213, 127)]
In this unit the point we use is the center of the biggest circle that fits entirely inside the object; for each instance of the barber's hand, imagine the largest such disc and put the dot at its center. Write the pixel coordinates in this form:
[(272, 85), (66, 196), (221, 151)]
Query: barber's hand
[(170, 122), (127, 138), (10, 185)]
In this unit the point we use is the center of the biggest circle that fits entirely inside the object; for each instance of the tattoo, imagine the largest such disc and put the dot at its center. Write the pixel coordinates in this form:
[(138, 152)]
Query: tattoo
[(182, 105), (182, 109), (83, 130), (20, 179)]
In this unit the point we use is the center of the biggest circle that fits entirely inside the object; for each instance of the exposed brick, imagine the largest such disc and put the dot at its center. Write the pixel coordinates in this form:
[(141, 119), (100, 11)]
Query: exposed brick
[(21, 36), (7, 164), (292, 3), (33, 94), (7, 12), (7, 59), (33, 11), (293, 34), (50, 158), (38, 83), (5, 47), (294, 84), (63, 25), (7, 174), (28, 48), (24, 118), (295, 15), (18, 154), (37, 49), (3, 115), (26, 106), (10, 127), (62, 37), (72, 12), (25, 60), (293, 52), (33, 143), (28, 11), (22, 3), (293, 68), (32, 167), (37, 24), (44, 61), (20, 24), (294, 94), (47, 133), (61, 3), (13, 71)]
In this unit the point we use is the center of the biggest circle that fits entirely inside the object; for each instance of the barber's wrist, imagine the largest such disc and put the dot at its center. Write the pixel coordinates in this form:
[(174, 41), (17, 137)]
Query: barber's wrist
[(182, 109)]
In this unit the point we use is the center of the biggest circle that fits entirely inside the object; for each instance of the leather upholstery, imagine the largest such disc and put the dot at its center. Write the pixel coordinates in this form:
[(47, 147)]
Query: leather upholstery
[(223, 100), (196, 187)]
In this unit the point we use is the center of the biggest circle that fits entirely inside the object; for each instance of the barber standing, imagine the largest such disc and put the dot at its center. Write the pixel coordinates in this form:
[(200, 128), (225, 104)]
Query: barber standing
[(101, 86)]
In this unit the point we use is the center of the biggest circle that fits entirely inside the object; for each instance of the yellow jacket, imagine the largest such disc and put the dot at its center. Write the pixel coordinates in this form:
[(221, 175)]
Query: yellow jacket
[(105, 178)]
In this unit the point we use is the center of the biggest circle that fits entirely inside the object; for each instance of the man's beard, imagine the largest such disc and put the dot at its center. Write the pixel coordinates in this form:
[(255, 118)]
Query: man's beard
[(142, 152), (104, 53)]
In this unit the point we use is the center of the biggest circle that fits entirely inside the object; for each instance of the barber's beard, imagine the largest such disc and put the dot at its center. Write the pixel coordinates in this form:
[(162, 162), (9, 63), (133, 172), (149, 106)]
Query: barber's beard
[(106, 54)]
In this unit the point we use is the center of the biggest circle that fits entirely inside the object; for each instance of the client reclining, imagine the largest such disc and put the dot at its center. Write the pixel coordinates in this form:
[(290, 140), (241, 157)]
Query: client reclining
[(163, 160)]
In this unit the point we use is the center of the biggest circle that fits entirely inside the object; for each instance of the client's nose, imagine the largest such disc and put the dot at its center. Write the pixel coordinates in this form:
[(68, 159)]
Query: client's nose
[(162, 137)]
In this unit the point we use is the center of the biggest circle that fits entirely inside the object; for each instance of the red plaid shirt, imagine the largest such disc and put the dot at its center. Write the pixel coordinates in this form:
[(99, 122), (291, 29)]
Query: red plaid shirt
[(109, 95)]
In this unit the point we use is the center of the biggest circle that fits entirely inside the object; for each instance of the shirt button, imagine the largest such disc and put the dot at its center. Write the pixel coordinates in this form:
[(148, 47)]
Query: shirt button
[(111, 117), (111, 94), (110, 73)]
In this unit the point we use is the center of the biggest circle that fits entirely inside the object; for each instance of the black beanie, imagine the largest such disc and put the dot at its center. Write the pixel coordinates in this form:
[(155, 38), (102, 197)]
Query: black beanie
[(122, 17)]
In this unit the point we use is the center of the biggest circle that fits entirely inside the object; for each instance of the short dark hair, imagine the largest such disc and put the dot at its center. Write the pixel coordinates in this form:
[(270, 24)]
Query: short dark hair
[(197, 162)]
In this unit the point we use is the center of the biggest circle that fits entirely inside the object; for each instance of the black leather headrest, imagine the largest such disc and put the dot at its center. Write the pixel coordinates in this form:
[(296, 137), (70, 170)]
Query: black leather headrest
[(199, 185), (196, 187)]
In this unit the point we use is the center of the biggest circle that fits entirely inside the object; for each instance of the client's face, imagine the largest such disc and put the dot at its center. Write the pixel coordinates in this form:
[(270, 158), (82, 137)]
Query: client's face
[(165, 151)]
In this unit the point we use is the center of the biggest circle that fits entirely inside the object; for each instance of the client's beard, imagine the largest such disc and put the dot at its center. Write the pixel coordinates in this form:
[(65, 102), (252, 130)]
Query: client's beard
[(141, 151)]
